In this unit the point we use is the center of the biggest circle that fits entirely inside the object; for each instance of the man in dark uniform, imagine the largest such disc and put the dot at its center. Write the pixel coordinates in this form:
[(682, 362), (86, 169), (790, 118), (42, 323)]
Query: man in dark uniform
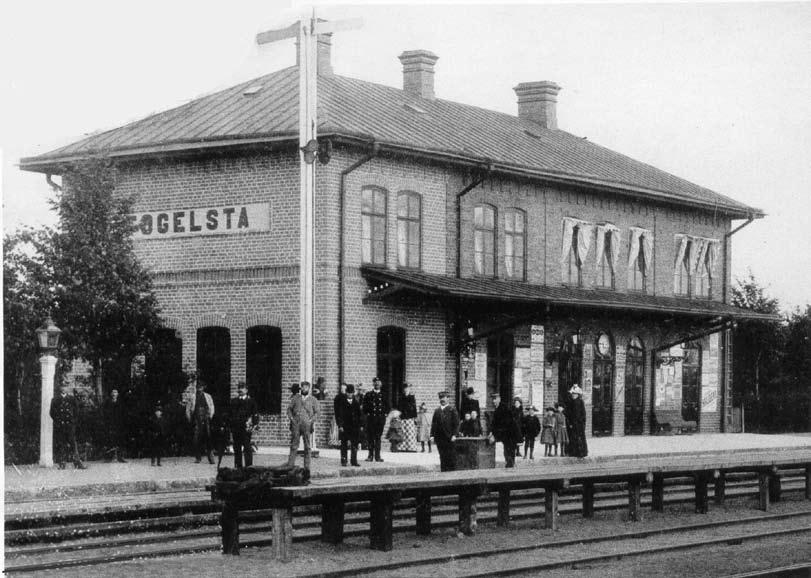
[(243, 419), (114, 422), (444, 428), (347, 416), (376, 409), (65, 413), (505, 429)]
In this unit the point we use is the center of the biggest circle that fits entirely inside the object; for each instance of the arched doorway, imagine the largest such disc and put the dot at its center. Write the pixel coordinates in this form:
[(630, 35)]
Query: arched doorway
[(391, 362), (634, 386), (263, 367), (214, 363), (570, 365), (602, 390), (164, 366), (691, 382), (500, 360)]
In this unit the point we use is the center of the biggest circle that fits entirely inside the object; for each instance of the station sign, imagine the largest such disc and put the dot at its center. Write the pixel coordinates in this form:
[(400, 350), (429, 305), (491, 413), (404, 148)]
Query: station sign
[(201, 221)]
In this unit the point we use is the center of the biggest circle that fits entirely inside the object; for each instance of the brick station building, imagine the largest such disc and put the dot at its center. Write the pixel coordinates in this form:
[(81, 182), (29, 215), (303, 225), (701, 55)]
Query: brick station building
[(455, 246)]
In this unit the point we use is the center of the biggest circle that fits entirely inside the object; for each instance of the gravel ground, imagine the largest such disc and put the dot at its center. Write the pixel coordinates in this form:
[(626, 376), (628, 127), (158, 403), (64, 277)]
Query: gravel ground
[(313, 557)]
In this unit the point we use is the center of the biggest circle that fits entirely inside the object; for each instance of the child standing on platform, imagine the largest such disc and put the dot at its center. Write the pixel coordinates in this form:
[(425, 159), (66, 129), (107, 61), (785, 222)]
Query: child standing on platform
[(395, 433), (548, 433), (157, 430), (531, 427), (424, 427), (561, 437)]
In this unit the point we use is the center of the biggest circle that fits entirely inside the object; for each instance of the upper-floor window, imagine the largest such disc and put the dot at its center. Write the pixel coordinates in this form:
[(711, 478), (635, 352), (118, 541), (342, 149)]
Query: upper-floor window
[(373, 226), (515, 244), (607, 252), (484, 240), (640, 256), (575, 248), (409, 214), (682, 275), (703, 277)]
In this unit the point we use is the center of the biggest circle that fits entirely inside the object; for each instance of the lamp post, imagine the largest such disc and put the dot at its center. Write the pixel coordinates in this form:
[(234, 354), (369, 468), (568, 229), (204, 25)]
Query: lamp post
[(48, 337)]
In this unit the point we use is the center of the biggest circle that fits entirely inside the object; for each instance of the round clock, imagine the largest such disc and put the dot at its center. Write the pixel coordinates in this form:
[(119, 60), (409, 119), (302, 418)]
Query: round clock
[(604, 344)]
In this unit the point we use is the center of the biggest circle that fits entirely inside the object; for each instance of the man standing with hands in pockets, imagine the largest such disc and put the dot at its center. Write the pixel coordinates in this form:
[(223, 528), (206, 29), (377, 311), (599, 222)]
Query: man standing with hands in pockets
[(303, 413)]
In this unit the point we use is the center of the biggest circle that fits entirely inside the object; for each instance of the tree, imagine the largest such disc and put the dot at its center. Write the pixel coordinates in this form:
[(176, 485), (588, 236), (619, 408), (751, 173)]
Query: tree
[(757, 349), (104, 302)]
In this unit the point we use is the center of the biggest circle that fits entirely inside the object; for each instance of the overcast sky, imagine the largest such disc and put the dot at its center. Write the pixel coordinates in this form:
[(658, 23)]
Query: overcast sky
[(719, 94)]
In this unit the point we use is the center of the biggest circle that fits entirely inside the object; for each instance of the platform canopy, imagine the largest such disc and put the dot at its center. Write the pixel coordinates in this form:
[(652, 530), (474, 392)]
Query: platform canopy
[(391, 285)]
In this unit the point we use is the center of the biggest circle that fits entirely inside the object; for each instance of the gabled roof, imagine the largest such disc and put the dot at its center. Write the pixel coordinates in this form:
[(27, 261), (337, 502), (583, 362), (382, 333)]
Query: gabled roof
[(364, 110), (517, 292)]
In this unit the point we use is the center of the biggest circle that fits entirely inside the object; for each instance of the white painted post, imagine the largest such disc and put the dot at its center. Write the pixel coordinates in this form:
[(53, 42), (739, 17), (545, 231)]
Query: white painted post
[(46, 453)]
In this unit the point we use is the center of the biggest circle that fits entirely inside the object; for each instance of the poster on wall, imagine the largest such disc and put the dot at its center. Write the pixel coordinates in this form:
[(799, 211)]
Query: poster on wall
[(522, 378), (709, 399), (480, 366)]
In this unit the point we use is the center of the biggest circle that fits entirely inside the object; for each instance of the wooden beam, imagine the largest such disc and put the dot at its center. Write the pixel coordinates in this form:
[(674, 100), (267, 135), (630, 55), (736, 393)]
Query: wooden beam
[(658, 493), (763, 490), (503, 515), (282, 533), (380, 523), (720, 488), (332, 521), (702, 505), (634, 499), (551, 495), (588, 499), (467, 512), (775, 487), (808, 481), (229, 522), (423, 514)]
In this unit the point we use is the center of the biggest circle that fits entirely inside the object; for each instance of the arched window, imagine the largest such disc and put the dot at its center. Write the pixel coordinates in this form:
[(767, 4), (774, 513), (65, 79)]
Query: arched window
[(373, 226), (634, 387), (691, 383), (263, 367), (391, 362), (484, 240), (515, 244), (409, 214), (602, 387), (214, 363), (164, 366)]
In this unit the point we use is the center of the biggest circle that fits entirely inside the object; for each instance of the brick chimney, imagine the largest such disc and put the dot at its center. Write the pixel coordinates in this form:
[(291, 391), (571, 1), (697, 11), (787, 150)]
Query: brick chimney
[(323, 54), (418, 72), (537, 101)]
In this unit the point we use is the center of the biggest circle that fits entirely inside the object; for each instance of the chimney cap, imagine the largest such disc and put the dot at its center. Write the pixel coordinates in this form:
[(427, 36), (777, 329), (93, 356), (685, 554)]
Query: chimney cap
[(418, 57), (538, 88)]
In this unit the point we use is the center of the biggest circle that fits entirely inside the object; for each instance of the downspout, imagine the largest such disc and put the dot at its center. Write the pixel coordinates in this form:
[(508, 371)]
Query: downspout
[(373, 152), (56, 188), (475, 183), (726, 335)]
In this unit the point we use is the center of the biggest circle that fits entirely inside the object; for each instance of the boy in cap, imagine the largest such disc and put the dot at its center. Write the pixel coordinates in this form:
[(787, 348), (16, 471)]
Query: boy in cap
[(444, 427), (532, 427)]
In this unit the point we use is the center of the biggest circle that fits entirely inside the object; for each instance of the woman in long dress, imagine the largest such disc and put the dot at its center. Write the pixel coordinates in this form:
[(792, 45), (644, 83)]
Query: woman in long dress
[(576, 424), (408, 416)]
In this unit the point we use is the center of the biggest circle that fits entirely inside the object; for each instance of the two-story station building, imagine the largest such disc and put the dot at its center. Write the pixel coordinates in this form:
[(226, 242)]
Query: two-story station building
[(455, 247)]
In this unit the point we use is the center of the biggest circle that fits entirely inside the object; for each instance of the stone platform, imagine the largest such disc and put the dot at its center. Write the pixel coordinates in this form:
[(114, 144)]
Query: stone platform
[(30, 484)]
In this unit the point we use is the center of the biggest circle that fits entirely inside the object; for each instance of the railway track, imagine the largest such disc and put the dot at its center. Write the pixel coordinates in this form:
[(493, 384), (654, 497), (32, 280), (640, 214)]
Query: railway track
[(91, 538)]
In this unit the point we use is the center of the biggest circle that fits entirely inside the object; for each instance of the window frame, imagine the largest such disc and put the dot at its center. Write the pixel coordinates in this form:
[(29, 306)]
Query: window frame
[(702, 285), (407, 220), (375, 218), (680, 276), (510, 230), (605, 264), (480, 229), (640, 269), (574, 260)]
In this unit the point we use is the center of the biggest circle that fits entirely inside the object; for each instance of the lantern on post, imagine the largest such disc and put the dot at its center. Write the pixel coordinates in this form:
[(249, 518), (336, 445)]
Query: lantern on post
[(48, 339)]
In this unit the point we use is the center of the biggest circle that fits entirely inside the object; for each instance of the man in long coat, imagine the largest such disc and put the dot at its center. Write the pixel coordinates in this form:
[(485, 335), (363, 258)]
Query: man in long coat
[(347, 416), (505, 429), (243, 419), (64, 412), (376, 408), (576, 424), (115, 420), (444, 428), (302, 412), (199, 413)]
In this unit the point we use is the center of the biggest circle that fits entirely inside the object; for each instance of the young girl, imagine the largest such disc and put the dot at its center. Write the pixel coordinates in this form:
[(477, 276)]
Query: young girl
[(395, 433), (424, 427), (548, 432), (561, 437)]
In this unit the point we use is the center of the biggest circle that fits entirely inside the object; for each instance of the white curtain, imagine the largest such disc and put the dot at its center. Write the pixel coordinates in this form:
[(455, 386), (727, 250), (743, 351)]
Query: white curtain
[(633, 252), (583, 240), (600, 245), (613, 234), (712, 255), (682, 240), (697, 253), (647, 247), (566, 246), (614, 247)]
